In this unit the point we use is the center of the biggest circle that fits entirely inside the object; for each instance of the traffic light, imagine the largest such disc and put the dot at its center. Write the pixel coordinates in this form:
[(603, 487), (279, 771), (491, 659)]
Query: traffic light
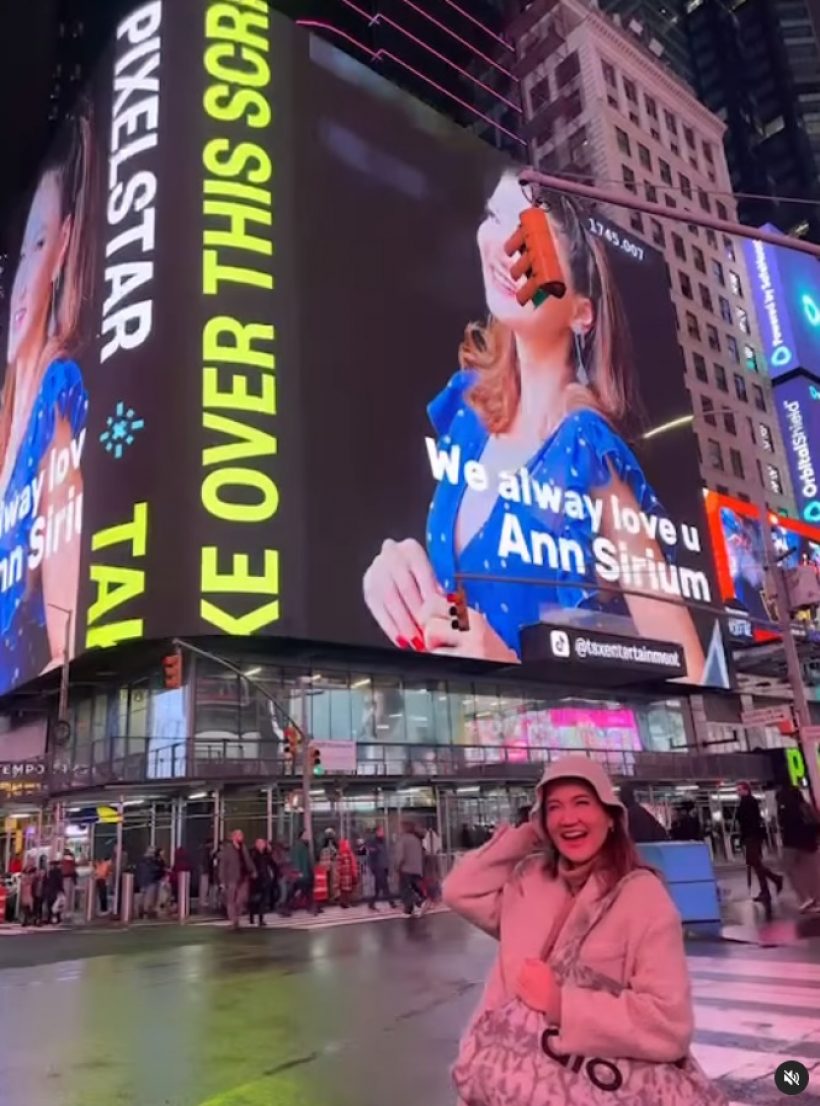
[(292, 739), (172, 670), (538, 260), (459, 616), (316, 761)]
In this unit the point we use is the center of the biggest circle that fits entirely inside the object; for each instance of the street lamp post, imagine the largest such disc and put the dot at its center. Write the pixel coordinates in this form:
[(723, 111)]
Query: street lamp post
[(65, 671)]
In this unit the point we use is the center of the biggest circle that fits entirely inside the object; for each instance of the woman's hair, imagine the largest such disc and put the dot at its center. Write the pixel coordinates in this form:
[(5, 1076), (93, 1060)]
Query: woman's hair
[(618, 856), (605, 349), (69, 161)]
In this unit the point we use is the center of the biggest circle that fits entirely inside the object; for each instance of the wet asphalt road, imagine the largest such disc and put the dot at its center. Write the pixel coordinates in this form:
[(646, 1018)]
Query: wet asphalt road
[(363, 1015)]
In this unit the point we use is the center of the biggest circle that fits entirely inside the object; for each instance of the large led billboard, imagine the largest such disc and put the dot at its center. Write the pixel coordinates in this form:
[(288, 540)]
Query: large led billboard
[(786, 292), (263, 330), (740, 560), (797, 400)]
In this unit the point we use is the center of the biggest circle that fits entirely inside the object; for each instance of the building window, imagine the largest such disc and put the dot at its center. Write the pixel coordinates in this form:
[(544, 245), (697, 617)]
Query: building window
[(689, 137), (760, 473), (636, 221), (692, 328), (734, 283), (678, 246), (699, 259), (658, 237), (699, 363), (651, 107), (651, 192), (750, 358), (711, 238), (686, 186), (725, 309), (703, 200), (613, 101), (708, 407), (758, 397), (743, 320), (737, 463), (665, 171), (729, 423), (714, 454), (740, 388), (729, 248), (705, 297), (629, 179), (712, 337), (622, 139), (721, 210), (751, 426), (734, 349), (669, 200), (671, 121), (631, 90), (775, 483), (720, 378), (708, 153), (685, 284), (766, 437), (717, 272), (644, 156), (609, 74)]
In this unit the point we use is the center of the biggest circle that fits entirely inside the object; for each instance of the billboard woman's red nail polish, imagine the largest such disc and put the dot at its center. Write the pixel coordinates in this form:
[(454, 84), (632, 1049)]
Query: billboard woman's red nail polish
[(418, 644), (402, 643)]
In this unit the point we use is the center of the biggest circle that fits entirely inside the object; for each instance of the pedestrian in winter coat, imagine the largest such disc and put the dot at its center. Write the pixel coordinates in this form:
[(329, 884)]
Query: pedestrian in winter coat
[(378, 861), (301, 858), (53, 892), (588, 938), (799, 831), (752, 838), (642, 825), (348, 873), (410, 866), (31, 894), (235, 872), (263, 881)]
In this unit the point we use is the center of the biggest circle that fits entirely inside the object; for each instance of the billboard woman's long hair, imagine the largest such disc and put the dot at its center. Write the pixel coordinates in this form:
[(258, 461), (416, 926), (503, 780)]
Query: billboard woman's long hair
[(605, 350), (70, 161)]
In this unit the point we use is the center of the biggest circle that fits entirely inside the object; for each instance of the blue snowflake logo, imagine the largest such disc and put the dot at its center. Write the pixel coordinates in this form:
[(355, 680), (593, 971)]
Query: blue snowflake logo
[(122, 427)]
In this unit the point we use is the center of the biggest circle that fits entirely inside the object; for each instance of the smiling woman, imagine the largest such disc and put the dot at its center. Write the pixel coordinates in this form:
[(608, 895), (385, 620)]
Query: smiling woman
[(589, 999)]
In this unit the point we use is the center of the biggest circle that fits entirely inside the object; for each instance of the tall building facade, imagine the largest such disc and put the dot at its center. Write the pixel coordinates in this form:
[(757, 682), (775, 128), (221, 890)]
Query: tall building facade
[(757, 65), (602, 107)]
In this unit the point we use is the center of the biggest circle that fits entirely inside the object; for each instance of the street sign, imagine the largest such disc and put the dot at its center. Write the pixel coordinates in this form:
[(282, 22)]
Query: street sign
[(336, 756), (810, 733), (767, 716)]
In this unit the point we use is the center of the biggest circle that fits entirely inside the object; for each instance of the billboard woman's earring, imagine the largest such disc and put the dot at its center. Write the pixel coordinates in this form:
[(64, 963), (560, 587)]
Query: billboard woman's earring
[(580, 367)]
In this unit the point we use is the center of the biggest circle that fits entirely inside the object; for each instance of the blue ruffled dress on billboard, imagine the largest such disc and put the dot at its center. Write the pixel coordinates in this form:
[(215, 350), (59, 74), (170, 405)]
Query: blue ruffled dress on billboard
[(579, 456), (24, 647)]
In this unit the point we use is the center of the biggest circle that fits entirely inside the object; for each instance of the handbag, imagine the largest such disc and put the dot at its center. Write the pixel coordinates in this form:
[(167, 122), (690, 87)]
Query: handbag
[(508, 1058)]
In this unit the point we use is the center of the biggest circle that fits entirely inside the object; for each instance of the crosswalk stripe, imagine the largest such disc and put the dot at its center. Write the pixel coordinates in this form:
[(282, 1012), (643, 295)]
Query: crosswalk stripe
[(746, 1024)]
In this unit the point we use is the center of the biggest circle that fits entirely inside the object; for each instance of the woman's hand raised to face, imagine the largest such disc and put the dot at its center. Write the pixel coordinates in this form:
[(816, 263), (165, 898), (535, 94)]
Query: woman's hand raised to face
[(398, 584), (479, 641)]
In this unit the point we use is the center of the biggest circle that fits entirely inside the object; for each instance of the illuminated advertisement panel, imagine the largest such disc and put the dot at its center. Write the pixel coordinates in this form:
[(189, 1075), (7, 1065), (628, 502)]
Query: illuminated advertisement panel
[(740, 560), (797, 399), (271, 377), (786, 292)]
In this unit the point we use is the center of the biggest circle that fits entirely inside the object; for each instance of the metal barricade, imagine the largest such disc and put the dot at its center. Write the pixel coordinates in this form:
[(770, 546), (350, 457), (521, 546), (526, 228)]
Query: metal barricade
[(127, 898), (184, 896)]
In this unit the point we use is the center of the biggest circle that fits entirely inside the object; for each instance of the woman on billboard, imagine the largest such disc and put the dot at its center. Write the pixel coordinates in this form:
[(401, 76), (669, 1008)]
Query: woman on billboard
[(43, 411), (537, 405)]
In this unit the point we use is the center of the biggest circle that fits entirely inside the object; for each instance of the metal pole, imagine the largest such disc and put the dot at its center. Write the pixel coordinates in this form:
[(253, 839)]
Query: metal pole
[(152, 827), (618, 198), (126, 912), (65, 671), (307, 813), (269, 813), (118, 858), (184, 896), (793, 666)]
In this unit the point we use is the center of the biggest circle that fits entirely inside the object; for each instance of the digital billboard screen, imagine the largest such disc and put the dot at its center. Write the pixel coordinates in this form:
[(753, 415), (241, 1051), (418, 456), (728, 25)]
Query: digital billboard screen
[(740, 560), (268, 375), (797, 400), (786, 293)]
